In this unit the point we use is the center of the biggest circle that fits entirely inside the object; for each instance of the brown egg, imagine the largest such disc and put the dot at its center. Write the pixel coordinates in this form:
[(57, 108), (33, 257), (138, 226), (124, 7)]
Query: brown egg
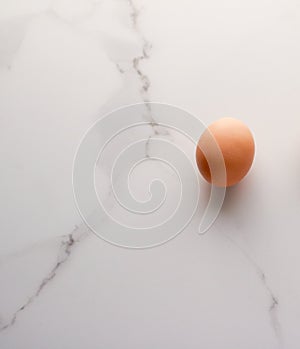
[(225, 152)]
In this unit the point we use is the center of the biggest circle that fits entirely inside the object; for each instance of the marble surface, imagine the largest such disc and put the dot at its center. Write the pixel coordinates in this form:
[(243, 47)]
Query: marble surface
[(65, 63)]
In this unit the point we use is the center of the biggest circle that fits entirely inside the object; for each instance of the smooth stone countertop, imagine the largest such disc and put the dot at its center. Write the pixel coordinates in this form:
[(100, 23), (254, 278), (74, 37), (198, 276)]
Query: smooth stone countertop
[(66, 63)]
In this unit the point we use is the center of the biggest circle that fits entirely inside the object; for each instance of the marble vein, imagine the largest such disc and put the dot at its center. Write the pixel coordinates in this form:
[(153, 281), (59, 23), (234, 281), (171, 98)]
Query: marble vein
[(144, 79), (66, 247), (13, 32), (274, 301), (20, 25), (147, 155)]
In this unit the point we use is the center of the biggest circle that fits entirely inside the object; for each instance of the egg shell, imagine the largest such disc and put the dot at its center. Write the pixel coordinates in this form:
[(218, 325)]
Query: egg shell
[(231, 138)]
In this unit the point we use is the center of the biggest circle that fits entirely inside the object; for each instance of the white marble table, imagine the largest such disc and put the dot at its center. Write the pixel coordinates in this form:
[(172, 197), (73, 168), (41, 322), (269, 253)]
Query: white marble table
[(64, 64)]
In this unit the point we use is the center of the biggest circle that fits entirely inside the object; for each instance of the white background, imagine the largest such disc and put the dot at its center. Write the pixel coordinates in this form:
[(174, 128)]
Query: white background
[(63, 64)]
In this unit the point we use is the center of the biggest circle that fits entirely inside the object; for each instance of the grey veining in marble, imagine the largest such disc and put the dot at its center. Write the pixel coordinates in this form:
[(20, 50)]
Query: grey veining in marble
[(66, 63)]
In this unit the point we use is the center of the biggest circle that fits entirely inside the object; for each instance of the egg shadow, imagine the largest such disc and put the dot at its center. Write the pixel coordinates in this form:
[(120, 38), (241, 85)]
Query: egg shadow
[(234, 196), (239, 206)]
